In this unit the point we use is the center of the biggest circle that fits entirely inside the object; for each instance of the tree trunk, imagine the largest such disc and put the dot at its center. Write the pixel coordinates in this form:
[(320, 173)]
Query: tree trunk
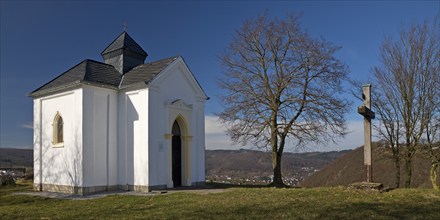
[(433, 175), (276, 166), (277, 151), (408, 169), (397, 164)]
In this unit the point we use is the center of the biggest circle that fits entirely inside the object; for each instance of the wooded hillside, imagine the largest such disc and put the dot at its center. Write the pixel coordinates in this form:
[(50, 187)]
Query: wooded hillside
[(349, 168)]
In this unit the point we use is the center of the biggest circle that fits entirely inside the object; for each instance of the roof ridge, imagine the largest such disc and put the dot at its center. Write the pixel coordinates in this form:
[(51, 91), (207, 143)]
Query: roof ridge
[(164, 67), (102, 53), (153, 62), (175, 57)]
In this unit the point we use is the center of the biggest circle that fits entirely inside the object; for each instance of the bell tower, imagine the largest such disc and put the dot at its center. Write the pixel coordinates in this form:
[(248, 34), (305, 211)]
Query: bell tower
[(124, 53)]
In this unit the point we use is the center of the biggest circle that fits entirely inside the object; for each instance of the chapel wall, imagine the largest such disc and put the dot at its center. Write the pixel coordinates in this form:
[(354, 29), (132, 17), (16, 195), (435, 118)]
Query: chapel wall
[(133, 139), (158, 162), (58, 163), (176, 85), (199, 142), (100, 137)]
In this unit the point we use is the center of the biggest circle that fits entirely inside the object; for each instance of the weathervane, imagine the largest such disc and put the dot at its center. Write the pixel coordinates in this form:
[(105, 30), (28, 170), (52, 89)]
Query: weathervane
[(365, 110)]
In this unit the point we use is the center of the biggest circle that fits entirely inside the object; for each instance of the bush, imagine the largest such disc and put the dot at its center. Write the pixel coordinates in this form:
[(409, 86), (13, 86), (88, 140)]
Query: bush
[(6, 180)]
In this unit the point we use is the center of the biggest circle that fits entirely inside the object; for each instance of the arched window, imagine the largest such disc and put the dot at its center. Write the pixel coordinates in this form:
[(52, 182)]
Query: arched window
[(176, 129), (58, 127)]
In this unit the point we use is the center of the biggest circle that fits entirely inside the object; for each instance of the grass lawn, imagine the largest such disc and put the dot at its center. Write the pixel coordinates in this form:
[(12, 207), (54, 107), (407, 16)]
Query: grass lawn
[(234, 203)]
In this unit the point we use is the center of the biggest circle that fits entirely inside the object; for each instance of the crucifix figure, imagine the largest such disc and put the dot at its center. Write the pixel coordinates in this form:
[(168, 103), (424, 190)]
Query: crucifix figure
[(365, 110)]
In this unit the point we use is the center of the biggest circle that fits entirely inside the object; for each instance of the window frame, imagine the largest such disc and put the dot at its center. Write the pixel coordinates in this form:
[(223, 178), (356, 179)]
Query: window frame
[(55, 131)]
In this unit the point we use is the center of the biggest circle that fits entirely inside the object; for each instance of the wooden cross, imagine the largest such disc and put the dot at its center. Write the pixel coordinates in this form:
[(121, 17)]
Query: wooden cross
[(365, 110)]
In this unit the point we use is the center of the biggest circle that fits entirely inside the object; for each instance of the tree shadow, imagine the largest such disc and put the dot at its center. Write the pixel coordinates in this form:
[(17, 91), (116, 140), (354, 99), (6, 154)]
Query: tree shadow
[(217, 185), (56, 168)]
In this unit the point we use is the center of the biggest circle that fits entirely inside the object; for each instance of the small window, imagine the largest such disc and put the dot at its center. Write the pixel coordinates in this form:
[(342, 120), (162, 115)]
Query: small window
[(58, 133)]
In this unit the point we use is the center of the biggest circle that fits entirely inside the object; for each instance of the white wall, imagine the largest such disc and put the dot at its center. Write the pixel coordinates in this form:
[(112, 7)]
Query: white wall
[(60, 165), (156, 143), (133, 137), (100, 136), (199, 142), (89, 154)]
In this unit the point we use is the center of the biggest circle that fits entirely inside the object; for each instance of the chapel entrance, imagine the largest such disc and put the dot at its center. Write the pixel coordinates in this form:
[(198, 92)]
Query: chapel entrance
[(176, 155)]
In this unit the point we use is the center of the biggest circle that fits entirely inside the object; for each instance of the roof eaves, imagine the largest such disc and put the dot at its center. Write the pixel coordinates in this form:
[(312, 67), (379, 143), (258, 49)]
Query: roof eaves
[(37, 93), (70, 85), (98, 84)]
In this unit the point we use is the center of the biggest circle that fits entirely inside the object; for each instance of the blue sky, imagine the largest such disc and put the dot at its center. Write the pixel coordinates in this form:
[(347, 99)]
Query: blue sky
[(41, 39)]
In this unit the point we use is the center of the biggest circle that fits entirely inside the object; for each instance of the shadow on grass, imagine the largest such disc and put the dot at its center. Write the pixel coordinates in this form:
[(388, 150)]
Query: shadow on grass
[(213, 185), (216, 185)]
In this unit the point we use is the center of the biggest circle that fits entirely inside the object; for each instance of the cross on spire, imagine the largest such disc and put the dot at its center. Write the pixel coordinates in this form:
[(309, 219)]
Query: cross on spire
[(125, 26)]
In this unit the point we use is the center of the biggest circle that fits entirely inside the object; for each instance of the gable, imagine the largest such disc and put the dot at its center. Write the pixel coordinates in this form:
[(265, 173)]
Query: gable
[(178, 72)]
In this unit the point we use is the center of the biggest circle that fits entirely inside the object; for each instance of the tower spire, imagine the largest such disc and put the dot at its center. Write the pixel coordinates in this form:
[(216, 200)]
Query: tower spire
[(124, 53)]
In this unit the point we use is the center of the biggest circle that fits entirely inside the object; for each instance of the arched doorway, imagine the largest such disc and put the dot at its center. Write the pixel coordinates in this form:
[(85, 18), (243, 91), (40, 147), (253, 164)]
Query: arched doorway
[(176, 155)]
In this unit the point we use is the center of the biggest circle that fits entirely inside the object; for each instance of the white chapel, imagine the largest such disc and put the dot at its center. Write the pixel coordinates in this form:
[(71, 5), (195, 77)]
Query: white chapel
[(120, 124)]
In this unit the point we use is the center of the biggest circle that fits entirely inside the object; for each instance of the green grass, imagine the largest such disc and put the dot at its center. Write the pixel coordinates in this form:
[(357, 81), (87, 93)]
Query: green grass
[(234, 203)]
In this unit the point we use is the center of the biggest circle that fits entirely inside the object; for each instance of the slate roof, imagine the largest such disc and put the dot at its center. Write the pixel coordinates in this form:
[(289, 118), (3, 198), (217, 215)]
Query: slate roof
[(124, 41), (145, 72), (90, 71), (87, 71)]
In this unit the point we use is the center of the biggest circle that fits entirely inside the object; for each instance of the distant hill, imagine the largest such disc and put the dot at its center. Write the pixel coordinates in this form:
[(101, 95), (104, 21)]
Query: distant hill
[(257, 165), (316, 169), (349, 168), (12, 157), (233, 164)]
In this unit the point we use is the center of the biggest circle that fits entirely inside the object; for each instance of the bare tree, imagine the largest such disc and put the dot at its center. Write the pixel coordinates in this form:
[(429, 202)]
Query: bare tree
[(281, 83), (432, 124), (404, 79), (433, 141), (390, 127)]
